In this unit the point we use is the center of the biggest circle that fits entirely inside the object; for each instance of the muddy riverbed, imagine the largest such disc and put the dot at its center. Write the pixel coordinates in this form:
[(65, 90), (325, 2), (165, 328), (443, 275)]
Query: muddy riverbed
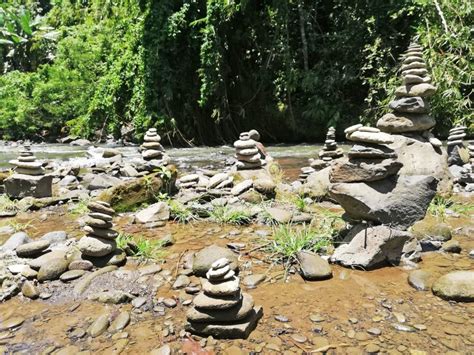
[(354, 312)]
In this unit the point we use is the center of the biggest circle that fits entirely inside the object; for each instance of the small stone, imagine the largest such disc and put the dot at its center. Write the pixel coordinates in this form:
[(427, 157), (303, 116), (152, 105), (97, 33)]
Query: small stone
[(29, 290), (11, 323), (282, 318), (169, 302), (403, 327), (299, 338), (120, 322), (252, 281), (81, 265), (32, 249), (52, 269), (149, 270), (71, 275), (138, 302), (317, 318), (99, 326), (372, 349), (181, 282), (374, 331)]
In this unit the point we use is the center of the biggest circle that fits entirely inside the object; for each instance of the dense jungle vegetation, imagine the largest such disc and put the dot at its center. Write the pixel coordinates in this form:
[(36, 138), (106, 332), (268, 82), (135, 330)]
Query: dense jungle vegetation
[(203, 70)]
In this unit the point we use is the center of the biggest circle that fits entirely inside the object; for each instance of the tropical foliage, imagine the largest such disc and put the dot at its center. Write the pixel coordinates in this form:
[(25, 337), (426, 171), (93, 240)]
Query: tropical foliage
[(202, 70)]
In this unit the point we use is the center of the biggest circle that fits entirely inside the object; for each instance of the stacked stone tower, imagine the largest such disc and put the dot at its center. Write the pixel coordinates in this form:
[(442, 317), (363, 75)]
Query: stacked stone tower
[(455, 143), (330, 150), (221, 310), (29, 177), (411, 107), (100, 237), (152, 148), (247, 154)]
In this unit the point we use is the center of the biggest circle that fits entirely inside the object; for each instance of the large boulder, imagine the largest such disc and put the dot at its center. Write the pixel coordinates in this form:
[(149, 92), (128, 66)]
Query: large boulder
[(457, 286), (20, 186), (100, 181), (313, 267), (398, 201), (371, 247), (128, 195), (419, 157), (15, 241)]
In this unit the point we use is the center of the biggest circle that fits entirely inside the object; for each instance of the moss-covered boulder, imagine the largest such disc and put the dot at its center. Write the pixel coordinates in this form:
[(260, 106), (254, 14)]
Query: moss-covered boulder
[(130, 195)]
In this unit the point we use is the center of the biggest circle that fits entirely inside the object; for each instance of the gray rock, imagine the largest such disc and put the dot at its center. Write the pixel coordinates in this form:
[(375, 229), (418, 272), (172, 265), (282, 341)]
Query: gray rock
[(159, 211), (101, 181), (81, 265), (361, 170), (241, 187), (99, 326), (206, 257), (422, 90), (451, 246), (241, 310), (373, 247), (120, 322), (371, 137), (20, 186), (71, 275), (68, 180), (128, 171), (15, 241), (96, 246), (164, 350), (399, 123), (226, 288), (112, 297), (181, 282), (46, 258), (81, 142), (252, 281), (410, 105), (369, 151), (52, 269), (242, 329), (457, 286), (32, 249), (317, 184), (55, 237), (313, 267), (206, 302), (420, 280), (29, 290), (398, 201), (280, 215)]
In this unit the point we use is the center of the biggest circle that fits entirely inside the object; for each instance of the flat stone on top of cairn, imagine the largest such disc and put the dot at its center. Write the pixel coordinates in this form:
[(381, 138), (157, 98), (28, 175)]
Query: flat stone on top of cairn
[(221, 310), (151, 147), (411, 108), (247, 154), (100, 237)]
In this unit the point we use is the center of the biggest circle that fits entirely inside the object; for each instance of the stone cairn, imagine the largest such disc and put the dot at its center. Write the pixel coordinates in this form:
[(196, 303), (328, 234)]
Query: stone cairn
[(455, 143), (247, 154), (27, 164), (410, 107), (29, 178), (221, 310), (329, 152), (100, 238), (152, 148)]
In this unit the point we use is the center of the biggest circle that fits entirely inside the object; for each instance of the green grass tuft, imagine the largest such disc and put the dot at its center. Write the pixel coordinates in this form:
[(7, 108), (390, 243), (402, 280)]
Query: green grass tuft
[(141, 247), (227, 215)]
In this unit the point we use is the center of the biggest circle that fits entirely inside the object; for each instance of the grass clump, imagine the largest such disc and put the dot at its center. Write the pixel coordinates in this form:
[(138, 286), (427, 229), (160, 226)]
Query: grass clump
[(180, 213), (80, 208), (140, 247), (440, 205), (7, 205), (227, 215), (20, 227)]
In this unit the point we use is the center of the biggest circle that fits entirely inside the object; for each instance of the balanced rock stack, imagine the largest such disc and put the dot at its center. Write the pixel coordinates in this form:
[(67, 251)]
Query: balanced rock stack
[(29, 177), (330, 150), (100, 238), (221, 310), (247, 153), (27, 164), (152, 148), (455, 143), (370, 160), (411, 108), (305, 172)]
